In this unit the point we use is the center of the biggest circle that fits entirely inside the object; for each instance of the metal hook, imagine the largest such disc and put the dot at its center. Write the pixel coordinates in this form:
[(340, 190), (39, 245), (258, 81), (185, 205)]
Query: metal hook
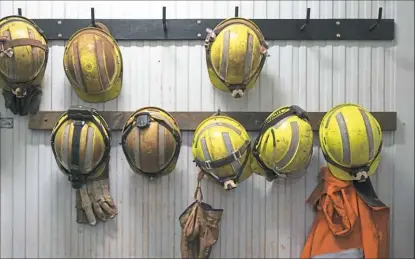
[(236, 11), (378, 20), (93, 16), (164, 19), (307, 19), (19, 11)]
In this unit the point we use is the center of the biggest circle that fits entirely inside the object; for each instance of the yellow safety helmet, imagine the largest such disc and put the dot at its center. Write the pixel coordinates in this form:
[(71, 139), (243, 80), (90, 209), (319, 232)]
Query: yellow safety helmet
[(151, 141), (284, 144), (81, 144), (93, 64), (235, 54), (221, 148), (23, 59), (351, 142)]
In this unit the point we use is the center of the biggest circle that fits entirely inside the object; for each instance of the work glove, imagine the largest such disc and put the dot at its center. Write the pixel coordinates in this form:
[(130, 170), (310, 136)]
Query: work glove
[(30, 103), (200, 225), (93, 200)]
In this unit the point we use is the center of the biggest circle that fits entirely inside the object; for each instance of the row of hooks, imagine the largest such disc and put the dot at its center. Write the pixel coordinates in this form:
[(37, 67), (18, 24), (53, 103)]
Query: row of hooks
[(164, 20), (371, 28)]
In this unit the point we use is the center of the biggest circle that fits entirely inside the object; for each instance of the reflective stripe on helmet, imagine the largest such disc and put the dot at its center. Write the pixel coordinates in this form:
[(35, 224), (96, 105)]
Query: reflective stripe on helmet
[(225, 56), (77, 68), (248, 58), (344, 138), (369, 133), (236, 165), (217, 124), (161, 146), (295, 140), (136, 151), (89, 152), (65, 146)]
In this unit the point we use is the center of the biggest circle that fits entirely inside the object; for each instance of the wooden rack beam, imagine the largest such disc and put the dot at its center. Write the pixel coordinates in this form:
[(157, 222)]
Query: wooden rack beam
[(188, 121)]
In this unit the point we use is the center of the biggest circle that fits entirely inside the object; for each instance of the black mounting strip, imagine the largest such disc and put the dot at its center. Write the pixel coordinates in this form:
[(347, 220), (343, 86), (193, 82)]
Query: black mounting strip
[(195, 29)]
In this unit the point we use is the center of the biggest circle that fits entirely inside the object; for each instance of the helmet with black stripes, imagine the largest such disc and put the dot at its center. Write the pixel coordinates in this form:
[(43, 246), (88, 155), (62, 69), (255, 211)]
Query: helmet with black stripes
[(351, 142), (93, 64), (235, 54), (151, 142), (81, 144), (221, 148), (284, 145)]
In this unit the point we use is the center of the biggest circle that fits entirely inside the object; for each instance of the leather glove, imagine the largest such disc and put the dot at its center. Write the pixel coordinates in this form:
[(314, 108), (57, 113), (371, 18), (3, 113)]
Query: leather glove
[(23, 106), (200, 225), (93, 200)]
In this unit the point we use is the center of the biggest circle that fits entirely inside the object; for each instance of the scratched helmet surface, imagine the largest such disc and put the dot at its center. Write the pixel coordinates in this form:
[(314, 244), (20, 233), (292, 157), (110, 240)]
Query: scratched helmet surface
[(221, 148), (284, 145), (23, 60), (93, 64), (235, 55), (81, 144), (351, 141), (151, 142)]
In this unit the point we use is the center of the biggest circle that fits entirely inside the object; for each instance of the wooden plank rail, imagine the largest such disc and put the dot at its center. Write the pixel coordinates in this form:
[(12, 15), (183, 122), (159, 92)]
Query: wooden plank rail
[(188, 121)]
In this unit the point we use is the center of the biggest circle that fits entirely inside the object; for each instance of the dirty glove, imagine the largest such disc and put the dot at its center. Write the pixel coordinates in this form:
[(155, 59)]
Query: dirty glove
[(29, 104), (93, 200), (200, 225)]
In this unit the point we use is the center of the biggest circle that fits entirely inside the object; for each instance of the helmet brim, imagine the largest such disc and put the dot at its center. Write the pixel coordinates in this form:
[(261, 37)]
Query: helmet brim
[(101, 97)]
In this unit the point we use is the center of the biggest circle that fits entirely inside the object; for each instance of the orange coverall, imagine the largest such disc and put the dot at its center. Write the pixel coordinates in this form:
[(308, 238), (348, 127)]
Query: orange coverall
[(345, 225)]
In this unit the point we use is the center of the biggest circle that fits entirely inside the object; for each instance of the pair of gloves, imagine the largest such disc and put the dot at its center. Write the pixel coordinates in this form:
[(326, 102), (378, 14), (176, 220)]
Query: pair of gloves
[(94, 201)]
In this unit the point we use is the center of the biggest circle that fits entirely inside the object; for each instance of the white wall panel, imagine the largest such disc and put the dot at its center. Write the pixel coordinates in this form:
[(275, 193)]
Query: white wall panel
[(260, 219)]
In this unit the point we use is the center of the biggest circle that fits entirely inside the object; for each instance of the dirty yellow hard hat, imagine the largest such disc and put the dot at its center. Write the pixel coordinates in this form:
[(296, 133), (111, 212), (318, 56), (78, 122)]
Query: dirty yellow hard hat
[(284, 145), (221, 148), (81, 144), (23, 60), (93, 64), (151, 141), (235, 55), (351, 142)]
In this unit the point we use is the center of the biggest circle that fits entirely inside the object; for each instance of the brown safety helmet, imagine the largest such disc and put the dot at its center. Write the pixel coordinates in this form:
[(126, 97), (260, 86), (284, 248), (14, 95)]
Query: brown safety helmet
[(151, 141)]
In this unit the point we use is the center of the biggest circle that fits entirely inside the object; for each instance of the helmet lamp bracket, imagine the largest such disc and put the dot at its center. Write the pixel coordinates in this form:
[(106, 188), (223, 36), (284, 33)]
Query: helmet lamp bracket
[(143, 120)]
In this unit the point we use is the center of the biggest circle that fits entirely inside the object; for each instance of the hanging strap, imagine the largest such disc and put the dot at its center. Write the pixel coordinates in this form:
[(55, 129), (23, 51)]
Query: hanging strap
[(273, 173), (142, 120), (224, 161), (7, 44), (209, 165), (75, 176), (198, 195)]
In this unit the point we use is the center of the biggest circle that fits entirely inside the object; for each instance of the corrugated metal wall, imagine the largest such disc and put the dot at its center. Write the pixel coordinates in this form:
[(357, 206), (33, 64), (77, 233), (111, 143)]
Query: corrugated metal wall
[(261, 219)]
